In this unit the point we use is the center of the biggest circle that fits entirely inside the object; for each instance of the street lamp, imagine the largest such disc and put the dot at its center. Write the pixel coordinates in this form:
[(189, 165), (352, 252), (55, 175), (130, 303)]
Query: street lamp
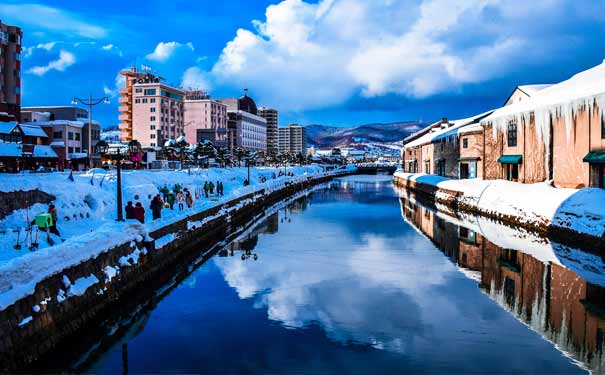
[(102, 148), (90, 102)]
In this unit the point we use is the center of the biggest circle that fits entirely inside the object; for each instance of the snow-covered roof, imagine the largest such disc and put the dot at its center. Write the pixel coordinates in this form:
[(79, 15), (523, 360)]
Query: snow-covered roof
[(470, 128), (560, 100), (31, 130), (7, 127), (78, 124), (532, 90), (11, 149), (57, 143), (452, 128), (78, 155), (44, 151)]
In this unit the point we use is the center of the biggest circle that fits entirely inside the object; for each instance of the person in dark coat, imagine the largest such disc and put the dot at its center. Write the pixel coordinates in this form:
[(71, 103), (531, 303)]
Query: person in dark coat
[(52, 210), (171, 199), (156, 207), (129, 210), (139, 212)]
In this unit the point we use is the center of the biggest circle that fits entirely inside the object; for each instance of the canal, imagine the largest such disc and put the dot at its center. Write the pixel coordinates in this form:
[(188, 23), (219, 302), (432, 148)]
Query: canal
[(358, 277)]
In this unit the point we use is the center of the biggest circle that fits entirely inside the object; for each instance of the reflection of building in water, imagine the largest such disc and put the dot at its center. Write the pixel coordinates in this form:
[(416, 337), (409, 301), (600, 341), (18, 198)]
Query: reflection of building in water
[(553, 300)]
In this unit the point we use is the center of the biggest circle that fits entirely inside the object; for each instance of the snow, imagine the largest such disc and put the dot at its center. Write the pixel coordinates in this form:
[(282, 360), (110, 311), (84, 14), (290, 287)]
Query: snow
[(581, 210), (11, 149), (532, 90), (25, 320), (78, 288), (86, 216), (7, 127), (33, 130), (110, 273), (43, 151)]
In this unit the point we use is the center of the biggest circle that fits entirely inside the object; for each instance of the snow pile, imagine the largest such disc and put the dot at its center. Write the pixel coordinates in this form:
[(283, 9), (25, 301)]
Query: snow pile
[(540, 204), (87, 218)]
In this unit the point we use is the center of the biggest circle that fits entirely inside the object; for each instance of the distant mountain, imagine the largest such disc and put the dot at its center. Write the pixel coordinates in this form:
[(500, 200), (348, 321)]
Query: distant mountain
[(322, 136)]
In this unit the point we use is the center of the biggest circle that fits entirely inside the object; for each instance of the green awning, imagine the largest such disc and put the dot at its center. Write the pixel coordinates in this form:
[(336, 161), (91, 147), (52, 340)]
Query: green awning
[(510, 159), (596, 157)]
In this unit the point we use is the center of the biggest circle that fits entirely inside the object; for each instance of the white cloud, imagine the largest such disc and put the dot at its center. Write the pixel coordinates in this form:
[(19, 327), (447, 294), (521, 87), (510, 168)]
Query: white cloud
[(164, 50), (65, 60), (312, 55), (112, 48), (28, 51), (196, 79), (52, 19)]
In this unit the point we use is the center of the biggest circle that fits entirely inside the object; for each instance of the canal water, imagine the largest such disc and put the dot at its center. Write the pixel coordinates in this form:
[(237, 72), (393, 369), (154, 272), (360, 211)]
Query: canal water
[(358, 277)]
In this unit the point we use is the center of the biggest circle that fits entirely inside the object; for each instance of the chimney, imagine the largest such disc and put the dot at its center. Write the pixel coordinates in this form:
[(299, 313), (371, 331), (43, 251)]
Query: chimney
[(444, 120)]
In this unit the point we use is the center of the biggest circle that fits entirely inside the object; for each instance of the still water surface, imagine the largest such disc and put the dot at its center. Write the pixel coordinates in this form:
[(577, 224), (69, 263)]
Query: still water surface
[(356, 279)]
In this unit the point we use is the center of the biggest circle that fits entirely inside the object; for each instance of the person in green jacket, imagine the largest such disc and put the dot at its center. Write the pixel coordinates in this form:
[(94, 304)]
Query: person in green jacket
[(170, 199)]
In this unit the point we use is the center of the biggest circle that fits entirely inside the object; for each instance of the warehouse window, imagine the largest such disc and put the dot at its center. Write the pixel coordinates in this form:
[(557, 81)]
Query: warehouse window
[(512, 135)]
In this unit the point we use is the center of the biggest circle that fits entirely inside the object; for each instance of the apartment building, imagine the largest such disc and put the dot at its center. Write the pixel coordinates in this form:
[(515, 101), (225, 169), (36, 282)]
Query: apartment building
[(10, 72), (272, 117), (151, 111), (205, 119), (293, 139)]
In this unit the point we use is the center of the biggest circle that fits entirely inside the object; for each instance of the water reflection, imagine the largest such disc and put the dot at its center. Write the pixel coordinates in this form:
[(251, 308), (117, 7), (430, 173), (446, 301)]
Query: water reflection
[(528, 276), (342, 284)]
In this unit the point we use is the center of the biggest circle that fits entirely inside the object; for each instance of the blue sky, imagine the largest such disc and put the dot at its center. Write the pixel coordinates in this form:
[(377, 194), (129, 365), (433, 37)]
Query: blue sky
[(338, 62)]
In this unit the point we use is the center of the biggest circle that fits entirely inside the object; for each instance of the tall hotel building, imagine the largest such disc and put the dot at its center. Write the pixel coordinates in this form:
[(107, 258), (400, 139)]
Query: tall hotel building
[(151, 112), (271, 115), (293, 139), (10, 73)]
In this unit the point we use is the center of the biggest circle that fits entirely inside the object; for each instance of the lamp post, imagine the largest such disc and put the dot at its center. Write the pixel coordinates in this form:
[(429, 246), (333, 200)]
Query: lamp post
[(90, 102), (103, 148)]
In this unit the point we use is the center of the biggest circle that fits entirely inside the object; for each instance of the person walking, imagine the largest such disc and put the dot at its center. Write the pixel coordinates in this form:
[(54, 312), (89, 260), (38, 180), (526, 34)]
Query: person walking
[(129, 210), (171, 198), (180, 199), (52, 210), (188, 198), (222, 188), (206, 189), (211, 188), (156, 207), (139, 212)]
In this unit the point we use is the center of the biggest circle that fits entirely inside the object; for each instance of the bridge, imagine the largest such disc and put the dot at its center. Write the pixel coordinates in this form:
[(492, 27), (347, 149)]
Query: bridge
[(376, 168)]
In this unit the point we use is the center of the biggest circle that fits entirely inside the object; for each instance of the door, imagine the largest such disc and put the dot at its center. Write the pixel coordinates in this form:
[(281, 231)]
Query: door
[(464, 170)]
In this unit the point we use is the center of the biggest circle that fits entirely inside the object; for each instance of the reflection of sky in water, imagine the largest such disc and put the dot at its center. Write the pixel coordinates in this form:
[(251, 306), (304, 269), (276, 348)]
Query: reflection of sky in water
[(346, 286)]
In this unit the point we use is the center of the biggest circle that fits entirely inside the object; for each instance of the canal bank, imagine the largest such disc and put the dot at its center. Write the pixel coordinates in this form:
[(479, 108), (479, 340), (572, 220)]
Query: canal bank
[(573, 217), (67, 305), (335, 282)]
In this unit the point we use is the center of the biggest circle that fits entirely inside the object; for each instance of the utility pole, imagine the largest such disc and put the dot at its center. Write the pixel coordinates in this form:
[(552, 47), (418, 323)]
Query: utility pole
[(91, 102)]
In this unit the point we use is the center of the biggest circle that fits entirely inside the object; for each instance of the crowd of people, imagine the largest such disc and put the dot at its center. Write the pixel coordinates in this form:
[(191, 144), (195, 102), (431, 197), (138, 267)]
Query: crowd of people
[(168, 199)]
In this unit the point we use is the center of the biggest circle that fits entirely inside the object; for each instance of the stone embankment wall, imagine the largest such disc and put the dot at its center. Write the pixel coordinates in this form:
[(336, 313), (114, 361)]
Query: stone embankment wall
[(454, 200), (66, 309), (17, 200)]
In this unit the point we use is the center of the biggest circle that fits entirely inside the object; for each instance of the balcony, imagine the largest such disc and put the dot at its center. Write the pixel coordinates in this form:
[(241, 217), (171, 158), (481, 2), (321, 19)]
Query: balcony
[(124, 108), (123, 91), (124, 118), (124, 99)]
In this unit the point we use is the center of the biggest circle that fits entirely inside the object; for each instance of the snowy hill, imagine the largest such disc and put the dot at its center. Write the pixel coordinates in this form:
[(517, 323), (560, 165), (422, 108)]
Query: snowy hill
[(322, 136)]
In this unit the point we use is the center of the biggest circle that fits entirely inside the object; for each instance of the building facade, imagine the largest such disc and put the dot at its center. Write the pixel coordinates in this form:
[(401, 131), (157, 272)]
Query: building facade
[(293, 139), (151, 112), (69, 116), (205, 119), (272, 117), (26, 147), (246, 128), (10, 72)]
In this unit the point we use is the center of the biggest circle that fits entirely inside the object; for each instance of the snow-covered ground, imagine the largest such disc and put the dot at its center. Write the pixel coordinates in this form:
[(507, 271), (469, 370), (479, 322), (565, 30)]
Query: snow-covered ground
[(581, 210), (87, 213)]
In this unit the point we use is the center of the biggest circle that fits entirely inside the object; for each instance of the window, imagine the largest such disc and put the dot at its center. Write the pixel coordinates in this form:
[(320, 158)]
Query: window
[(152, 136), (151, 118), (602, 127), (152, 144), (151, 127), (464, 142), (78, 149), (149, 91), (77, 136), (137, 101), (512, 135), (138, 91), (17, 90), (152, 100), (70, 149), (152, 109), (144, 100), (57, 134), (17, 56), (70, 136)]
